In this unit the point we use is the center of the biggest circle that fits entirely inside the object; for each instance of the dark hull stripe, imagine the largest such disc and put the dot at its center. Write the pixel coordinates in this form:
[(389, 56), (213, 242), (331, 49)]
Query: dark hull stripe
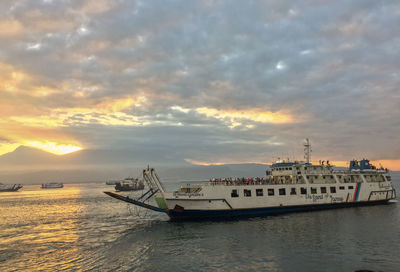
[(214, 214)]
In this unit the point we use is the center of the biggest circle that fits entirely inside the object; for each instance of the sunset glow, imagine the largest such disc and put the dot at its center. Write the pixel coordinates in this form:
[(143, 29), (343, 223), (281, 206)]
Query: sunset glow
[(237, 117), (51, 147), (103, 75)]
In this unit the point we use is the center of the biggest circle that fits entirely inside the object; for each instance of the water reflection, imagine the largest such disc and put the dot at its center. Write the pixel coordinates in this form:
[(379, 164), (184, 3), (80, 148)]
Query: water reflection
[(43, 225), (79, 228)]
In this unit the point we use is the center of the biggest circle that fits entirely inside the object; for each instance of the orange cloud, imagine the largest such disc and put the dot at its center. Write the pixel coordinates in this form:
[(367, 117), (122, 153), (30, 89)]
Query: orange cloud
[(222, 162), (10, 28), (390, 164), (17, 81), (41, 128), (238, 117), (97, 6), (50, 139), (120, 104), (10, 78)]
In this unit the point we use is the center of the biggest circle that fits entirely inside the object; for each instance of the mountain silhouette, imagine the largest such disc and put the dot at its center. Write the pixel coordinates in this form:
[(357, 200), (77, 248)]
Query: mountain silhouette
[(28, 157)]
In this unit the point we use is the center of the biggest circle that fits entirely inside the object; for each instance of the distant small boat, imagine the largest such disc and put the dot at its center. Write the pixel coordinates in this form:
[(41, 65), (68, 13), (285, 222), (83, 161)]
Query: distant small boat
[(52, 185), (112, 182), (129, 184), (10, 188)]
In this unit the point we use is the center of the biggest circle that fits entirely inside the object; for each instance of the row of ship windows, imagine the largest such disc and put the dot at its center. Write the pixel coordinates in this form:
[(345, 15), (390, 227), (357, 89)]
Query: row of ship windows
[(293, 191), (379, 177), (285, 168), (352, 178)]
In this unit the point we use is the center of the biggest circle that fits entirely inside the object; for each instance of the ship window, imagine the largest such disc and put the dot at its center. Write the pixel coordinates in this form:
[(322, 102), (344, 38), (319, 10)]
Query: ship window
[(351, 187), (247, 192), (290, 168), (341, 188), (292, 191), (333, 190), (389, 178), (313, 190), (271, 192), (303, 190), (323, 177), (234, 193), (259, 192), (323, 190), (282, 191)]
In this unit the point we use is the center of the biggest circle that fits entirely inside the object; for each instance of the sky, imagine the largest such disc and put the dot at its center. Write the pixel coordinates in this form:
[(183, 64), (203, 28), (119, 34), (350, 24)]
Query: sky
[(205, 82)]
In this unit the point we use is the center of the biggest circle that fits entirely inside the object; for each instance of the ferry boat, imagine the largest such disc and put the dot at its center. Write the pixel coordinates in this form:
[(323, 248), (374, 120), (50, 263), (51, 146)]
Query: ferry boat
[(289, 186), (112, 182), (52, 185), (10, 188), (129, 184)]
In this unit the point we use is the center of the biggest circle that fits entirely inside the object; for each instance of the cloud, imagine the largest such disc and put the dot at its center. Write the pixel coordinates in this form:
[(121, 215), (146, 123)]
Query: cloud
[(10, 28), (236, 117), (206, 81)]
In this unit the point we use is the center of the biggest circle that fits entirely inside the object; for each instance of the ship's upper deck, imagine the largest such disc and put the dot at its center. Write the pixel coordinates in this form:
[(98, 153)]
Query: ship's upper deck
[(297, 168), (281, 168), (304, 172)]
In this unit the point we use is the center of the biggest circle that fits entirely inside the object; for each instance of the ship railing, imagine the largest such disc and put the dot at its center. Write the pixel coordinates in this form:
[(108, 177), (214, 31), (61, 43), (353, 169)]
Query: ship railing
[(365, 171), (341, 171), (316, 172)]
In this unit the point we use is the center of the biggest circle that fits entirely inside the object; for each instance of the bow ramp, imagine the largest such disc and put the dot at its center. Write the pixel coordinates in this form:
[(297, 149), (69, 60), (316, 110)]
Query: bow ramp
[(155, 188), (136, 202)]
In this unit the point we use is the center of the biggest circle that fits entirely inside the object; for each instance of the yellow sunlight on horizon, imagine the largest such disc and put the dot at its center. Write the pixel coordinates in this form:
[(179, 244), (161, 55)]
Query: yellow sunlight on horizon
[(54, 148)]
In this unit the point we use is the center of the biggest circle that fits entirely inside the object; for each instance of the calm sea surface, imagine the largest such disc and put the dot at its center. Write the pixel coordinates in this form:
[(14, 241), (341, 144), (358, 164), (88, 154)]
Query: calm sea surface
[(80, 228)]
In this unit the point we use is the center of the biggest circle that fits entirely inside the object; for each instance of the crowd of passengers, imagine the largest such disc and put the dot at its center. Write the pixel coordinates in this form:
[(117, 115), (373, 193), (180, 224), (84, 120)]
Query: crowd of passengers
[(249, 181)]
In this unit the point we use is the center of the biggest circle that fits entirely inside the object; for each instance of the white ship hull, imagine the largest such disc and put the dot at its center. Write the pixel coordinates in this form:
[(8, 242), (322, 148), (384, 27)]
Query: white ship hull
[(216, 200)]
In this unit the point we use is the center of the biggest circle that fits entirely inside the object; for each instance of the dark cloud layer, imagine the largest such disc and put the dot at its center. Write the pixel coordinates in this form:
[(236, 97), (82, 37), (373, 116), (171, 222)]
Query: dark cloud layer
[(333, 67)]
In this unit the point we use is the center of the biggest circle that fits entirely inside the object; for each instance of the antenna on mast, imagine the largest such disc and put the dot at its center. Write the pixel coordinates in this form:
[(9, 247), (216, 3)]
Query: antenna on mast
[(307, 151)]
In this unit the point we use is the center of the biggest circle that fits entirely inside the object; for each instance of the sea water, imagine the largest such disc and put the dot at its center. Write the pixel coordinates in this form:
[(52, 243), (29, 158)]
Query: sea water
[(78, 228)]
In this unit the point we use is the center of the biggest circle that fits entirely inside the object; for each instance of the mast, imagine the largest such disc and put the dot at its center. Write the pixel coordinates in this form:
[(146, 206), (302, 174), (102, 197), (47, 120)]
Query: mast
[(307, 151)]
